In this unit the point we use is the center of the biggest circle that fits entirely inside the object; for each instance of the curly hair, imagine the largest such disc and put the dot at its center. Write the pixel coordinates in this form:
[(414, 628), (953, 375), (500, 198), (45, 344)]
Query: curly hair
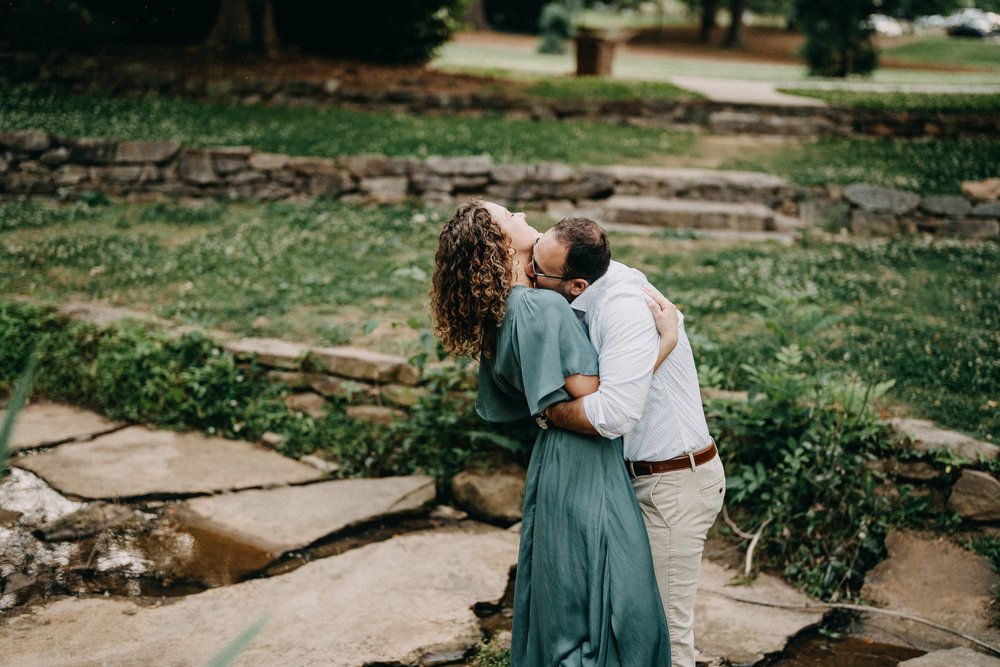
[(473, 274)]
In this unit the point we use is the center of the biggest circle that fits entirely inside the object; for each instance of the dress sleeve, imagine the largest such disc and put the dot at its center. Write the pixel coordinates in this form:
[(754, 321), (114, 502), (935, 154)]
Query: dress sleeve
[(550, 344)]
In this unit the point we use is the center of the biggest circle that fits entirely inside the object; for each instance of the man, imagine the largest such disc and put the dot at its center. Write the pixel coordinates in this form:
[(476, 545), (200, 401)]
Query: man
[(675, 470)]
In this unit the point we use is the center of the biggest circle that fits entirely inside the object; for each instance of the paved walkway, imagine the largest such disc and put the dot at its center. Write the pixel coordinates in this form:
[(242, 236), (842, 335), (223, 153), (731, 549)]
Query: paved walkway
[(735, 91)]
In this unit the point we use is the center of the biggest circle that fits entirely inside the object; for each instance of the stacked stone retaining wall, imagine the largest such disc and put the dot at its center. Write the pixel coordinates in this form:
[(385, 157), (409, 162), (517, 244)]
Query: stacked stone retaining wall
[(34, 163), (89, 75)]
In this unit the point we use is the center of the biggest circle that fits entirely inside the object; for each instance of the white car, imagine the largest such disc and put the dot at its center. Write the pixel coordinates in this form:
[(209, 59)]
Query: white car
[(886, 25)]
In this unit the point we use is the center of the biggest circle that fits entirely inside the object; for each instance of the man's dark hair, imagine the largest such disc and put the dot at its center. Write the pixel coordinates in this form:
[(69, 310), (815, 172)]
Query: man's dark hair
[(588, 253)]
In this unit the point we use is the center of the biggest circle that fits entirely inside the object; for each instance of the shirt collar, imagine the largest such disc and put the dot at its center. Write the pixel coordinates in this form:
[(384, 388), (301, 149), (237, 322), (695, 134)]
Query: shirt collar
[(586, 301)]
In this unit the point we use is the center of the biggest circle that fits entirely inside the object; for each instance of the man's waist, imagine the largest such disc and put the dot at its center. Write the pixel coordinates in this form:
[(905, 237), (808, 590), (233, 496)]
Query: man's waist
[(688, 460)]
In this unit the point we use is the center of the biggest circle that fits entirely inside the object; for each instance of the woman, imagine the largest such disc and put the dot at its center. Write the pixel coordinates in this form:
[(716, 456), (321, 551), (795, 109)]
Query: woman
[(585, 593)]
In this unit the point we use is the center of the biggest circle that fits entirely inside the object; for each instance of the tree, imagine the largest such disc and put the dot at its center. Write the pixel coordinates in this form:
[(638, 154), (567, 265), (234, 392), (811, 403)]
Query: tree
[(838, 36), (734, 36), (709, 15), (245, 25)]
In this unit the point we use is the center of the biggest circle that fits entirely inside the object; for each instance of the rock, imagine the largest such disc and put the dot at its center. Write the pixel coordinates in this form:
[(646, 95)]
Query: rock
[(972, 228), (35, 501), (876, 199), (294, 379), (510, 173), (283, 519), (680, 213), (269, 351), (386, 189), (376, 414), (496, 496), (55, 157), (29, 141), (88, 520), (372, 166), (987, 210), (331, 86), (448, 513), (956, 657), (320, 463), (308, 402), (946, 205), (915, 471), (926, 436), (156, 152), (230, 160), (8, 517), (103, 315), (330, 385), (985, 190), (406, 397), (742, 632), (976, 496), (43, 424), (936, 580), (268, 161), (271, 440), (359, 364), (196, 167), (69, 174), (171, 464), (91, 151), (390, 602), (476, 165)]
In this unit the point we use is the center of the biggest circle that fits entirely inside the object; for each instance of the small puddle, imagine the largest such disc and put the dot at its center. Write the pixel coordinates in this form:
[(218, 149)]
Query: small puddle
[(816, 650)]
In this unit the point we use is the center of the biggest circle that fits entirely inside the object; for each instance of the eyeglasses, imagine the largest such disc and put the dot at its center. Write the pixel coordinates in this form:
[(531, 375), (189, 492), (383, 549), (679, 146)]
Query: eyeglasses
[(534, 267)]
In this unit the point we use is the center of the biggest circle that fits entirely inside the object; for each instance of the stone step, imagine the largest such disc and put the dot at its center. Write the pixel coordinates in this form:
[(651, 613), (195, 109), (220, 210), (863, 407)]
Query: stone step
[(694, 214)]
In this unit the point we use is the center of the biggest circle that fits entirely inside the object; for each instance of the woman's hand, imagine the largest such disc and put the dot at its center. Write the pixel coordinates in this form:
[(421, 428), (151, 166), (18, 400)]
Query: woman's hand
[(666, 320)]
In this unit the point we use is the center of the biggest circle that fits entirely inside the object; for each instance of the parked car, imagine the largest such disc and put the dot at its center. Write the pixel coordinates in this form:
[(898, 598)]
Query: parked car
[(973, 23), (886, 25)]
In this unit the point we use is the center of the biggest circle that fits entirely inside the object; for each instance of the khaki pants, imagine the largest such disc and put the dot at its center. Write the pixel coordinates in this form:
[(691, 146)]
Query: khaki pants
[(679, 507)]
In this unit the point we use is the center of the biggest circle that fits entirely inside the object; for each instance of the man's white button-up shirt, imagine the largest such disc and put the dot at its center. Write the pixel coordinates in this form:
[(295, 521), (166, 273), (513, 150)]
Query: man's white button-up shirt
[(661, 415)]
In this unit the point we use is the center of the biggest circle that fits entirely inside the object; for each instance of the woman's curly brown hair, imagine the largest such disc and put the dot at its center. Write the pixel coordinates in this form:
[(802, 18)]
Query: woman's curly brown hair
[(473, 274)]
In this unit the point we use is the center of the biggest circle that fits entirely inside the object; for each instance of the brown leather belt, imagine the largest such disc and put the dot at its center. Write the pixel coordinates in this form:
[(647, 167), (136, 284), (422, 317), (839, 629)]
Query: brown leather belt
[(690, 460)]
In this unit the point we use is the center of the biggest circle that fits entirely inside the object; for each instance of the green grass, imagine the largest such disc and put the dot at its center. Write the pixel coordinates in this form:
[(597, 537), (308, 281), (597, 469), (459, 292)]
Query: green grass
[(948, 51), (923, 102), (333, 132), (597, 88), (922, 314), (926, 165)]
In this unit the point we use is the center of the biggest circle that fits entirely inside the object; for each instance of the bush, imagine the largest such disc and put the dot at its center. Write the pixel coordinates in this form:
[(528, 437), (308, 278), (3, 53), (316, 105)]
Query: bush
[(555, 26), (838, 36), (386, 31)]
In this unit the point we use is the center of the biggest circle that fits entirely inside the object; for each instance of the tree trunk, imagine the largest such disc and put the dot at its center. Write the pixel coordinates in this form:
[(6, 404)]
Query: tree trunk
[(734, 38), (709, 11), (233, 29), (269, 33), (475, 15)]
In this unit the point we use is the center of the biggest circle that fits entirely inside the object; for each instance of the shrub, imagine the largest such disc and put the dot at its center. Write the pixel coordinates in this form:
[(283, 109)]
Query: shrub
[(838, 36), (555, 27)]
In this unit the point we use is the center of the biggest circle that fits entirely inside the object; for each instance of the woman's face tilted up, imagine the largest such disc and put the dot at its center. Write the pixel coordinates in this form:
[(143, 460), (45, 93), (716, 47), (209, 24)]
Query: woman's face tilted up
[(522, 235)]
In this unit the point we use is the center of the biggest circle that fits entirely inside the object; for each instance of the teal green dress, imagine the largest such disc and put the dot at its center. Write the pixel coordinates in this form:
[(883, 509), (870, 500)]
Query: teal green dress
[(585, 593)]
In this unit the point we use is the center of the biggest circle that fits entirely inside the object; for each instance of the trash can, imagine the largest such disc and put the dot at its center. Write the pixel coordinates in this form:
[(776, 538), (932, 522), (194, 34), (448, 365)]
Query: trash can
[(595, 51)]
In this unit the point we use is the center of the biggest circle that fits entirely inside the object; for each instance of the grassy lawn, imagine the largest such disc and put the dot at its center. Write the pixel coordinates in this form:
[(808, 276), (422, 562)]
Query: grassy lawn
[(330, 273), (925, 102), (939, 50), (333, 132), (923, 165), (597, 88)]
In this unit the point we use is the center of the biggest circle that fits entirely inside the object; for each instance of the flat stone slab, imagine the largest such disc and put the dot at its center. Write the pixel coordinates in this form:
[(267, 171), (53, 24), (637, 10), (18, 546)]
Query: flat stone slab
[(926, 435), (697, 214), (283, 519), (965, 657), (42, 424), (137, 461), (935, 580), (742, 632), (391, 602)]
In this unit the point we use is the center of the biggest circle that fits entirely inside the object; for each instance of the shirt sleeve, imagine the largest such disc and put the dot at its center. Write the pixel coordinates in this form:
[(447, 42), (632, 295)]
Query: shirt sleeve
[(550, 344), (629, 347)]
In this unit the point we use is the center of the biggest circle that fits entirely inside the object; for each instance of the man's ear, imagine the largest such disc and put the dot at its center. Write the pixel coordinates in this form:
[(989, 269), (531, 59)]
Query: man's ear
[(577, 286)]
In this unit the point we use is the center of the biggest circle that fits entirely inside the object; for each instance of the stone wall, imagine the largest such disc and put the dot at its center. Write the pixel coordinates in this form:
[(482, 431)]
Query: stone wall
[(36, 163), (134, 78)]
